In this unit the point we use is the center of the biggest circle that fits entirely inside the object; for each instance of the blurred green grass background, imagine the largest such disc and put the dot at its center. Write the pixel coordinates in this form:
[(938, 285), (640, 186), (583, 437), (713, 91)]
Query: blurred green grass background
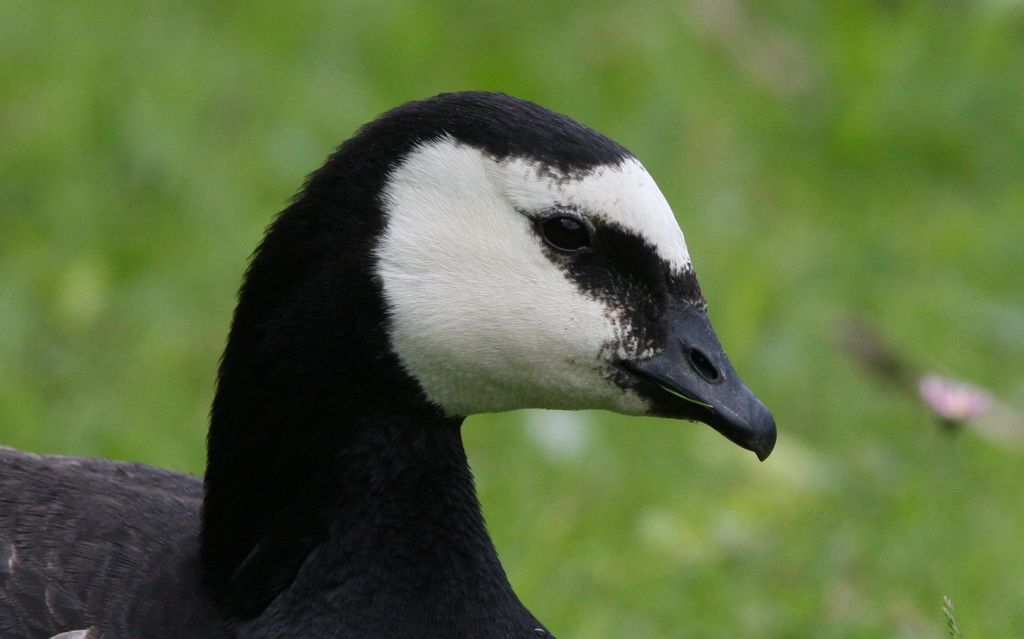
[(824, 160)]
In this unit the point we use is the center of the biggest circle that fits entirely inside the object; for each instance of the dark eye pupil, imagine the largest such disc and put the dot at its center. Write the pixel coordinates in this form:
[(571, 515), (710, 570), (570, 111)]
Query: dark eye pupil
[(565, 233)]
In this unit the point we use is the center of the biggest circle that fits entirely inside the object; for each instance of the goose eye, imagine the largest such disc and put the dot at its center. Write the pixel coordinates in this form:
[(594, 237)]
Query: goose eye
[(564, 233)]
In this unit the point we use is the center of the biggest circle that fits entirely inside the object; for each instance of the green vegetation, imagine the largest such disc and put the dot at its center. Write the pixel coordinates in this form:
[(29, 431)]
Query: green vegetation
[(824, 159), (950, 613)]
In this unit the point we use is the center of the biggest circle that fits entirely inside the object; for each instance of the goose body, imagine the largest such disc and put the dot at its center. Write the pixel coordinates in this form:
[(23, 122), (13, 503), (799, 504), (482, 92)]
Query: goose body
[(467, 253)]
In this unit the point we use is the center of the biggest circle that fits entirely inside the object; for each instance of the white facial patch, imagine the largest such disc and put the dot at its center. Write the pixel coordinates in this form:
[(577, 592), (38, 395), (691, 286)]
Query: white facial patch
[(478, 312)]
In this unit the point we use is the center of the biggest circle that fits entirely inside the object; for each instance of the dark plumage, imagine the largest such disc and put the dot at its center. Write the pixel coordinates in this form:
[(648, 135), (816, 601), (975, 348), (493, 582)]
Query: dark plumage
[(337, 501), (81, 538)]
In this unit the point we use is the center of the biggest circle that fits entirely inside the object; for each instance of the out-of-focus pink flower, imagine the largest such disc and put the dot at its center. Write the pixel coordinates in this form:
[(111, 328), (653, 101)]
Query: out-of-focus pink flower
[(952, 399)]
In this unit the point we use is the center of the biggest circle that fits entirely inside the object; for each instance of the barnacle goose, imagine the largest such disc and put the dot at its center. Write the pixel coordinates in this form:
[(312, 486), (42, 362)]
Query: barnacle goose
[(467, 253)]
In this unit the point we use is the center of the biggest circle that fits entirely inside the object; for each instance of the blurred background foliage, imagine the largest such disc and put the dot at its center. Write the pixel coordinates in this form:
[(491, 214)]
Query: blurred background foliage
[(825, 159)]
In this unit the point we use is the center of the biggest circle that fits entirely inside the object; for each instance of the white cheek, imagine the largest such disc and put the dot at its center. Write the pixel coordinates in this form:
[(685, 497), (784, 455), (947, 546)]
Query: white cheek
[(478, 314)]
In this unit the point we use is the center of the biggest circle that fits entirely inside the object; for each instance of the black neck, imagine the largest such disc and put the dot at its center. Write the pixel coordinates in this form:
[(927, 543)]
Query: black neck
[(404, 549), (375, 532), (337, 496)]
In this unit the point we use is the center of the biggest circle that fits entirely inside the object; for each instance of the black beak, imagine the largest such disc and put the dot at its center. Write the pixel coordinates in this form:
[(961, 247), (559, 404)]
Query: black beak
[(691, 378)]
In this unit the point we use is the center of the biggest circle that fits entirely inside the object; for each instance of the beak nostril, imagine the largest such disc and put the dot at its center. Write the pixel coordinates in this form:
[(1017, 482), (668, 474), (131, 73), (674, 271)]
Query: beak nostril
[(700, 363)]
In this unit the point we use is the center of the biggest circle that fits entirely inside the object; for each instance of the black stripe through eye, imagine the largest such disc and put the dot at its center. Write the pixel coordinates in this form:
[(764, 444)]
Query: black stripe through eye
[(565, 233)]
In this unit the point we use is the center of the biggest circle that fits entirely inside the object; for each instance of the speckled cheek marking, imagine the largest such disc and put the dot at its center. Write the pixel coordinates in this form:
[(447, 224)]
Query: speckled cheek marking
[(640, 256)]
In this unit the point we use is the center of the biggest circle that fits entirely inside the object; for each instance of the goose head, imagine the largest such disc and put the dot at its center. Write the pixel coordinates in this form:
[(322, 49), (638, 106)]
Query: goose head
[(468, 253), (527, 261)]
